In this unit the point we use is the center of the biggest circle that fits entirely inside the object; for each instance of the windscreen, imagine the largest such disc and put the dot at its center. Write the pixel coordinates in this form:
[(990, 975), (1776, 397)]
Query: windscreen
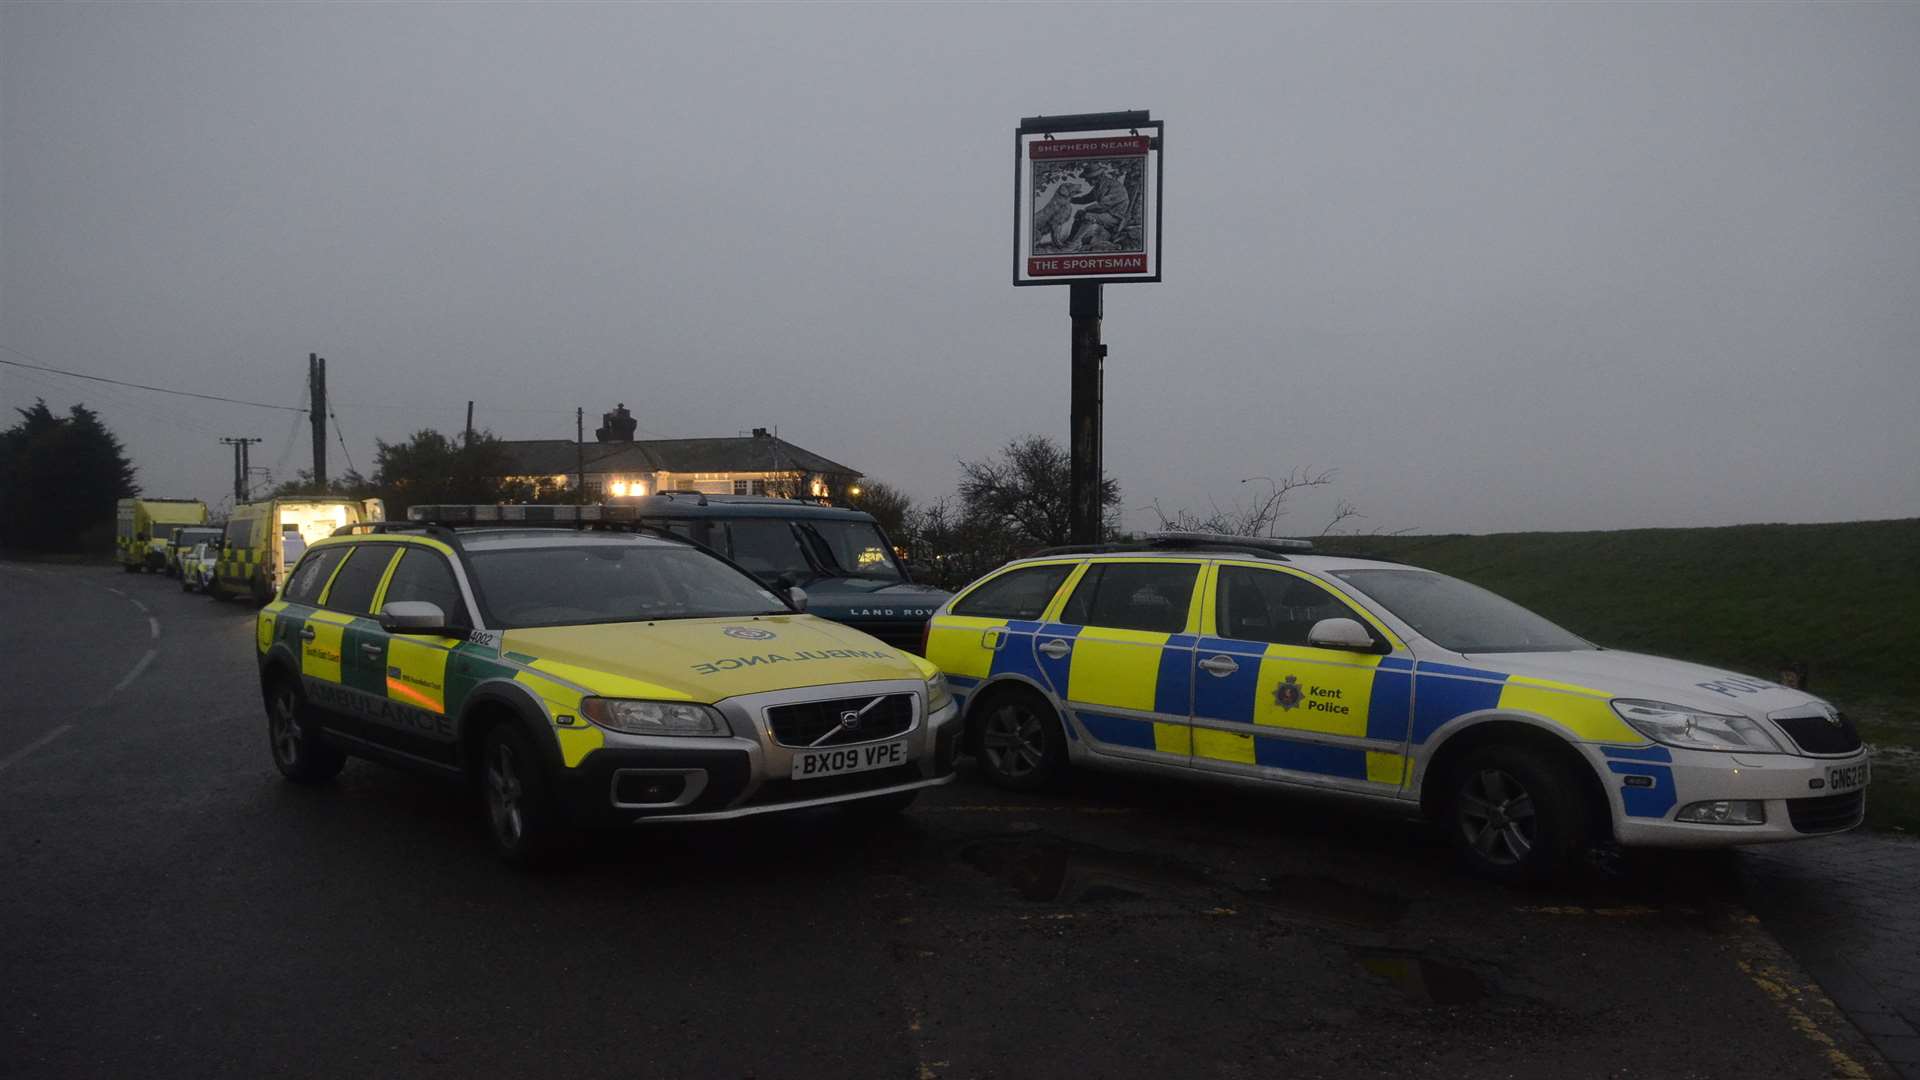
[(851, 549), (1455, 615), (588, 583)]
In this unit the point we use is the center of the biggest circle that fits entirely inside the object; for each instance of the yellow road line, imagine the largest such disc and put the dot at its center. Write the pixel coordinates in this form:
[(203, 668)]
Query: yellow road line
[(1769, 968)]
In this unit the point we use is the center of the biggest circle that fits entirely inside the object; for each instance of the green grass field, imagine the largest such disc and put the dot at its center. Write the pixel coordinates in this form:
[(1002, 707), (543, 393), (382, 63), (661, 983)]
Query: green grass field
[(1843, 599)]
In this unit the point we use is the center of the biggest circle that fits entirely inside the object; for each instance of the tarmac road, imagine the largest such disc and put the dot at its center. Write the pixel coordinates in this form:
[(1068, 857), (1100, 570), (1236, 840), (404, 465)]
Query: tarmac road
[(170, 907)]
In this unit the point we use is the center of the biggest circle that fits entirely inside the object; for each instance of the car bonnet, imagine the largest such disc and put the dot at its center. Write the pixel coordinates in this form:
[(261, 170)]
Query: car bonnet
[(1652, 678), (710, 659)]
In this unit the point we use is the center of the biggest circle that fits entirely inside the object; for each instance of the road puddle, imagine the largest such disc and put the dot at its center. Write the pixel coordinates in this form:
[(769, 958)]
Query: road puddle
[(1421, 978)]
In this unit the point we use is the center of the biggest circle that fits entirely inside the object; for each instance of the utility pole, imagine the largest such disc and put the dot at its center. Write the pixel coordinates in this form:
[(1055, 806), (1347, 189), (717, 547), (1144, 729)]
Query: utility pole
[(580, 454), (239, 444), (317, 398), (469, 441), (1084, 485)]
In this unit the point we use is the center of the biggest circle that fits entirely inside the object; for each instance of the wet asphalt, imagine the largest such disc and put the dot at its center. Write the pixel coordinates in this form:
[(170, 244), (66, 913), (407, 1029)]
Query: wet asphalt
[(170, 907)]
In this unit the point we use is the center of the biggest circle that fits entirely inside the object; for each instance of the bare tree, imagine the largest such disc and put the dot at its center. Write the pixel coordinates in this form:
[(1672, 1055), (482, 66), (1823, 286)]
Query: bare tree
[(1260, 514)]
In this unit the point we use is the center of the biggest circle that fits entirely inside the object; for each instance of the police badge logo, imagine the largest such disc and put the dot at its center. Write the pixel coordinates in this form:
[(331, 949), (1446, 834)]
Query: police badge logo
[(1287, 694), (748, 633)]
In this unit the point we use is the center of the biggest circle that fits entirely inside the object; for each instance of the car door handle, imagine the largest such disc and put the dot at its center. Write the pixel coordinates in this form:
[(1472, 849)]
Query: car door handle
[(1056, 648), (308, 633), (993, 639), (369, 650), (1219, 666)]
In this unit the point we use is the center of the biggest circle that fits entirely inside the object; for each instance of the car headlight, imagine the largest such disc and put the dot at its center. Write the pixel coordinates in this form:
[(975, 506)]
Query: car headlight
[(654, 717), (1689, 729), (939, 694)]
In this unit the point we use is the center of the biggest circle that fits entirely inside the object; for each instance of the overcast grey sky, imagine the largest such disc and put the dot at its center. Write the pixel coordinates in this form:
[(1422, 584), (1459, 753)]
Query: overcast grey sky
[(1504, 267)]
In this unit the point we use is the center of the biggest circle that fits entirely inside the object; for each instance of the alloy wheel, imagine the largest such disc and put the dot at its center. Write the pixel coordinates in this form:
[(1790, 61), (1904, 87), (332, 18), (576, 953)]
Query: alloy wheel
[(284, 722), (504, 793), (1014, 740), (1496, 814)]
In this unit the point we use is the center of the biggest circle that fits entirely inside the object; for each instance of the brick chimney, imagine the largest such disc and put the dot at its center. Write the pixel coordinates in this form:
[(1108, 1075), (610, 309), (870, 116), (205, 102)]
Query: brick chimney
[(616, 426)]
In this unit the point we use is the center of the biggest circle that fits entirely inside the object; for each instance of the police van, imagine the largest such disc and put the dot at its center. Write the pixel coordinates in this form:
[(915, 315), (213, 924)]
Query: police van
[(1264, 663), (266, 537), (582, 671)]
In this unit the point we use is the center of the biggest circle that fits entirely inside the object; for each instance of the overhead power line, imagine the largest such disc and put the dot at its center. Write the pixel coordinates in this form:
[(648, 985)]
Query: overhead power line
[(338, 434), (137, 386)]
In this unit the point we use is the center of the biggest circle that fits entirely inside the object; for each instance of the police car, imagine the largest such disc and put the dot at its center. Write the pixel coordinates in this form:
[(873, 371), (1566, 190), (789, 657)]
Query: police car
[(1263, 663), (587, 674)]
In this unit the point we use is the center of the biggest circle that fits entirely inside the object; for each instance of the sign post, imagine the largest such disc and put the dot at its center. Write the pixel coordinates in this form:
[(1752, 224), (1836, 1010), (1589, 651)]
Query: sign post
[(1086, 212)]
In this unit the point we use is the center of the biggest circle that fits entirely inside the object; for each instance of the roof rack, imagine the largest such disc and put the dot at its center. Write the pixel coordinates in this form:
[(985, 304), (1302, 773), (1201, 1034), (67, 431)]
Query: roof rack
[(1271, 547)]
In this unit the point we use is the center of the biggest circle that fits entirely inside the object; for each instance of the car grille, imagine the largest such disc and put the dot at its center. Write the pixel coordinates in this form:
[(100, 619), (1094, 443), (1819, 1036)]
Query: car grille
[(1827, 813), (1814, 735), (783, 790), (807, 723), (904, 636)]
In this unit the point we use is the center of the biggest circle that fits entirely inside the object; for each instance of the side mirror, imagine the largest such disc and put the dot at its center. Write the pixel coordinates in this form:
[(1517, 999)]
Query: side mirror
[(797, 596), (415, 617), (1340, 634)]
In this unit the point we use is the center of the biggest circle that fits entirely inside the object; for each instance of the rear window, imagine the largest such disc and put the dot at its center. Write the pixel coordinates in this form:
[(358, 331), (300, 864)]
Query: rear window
[(240, 533), (1016, 594)]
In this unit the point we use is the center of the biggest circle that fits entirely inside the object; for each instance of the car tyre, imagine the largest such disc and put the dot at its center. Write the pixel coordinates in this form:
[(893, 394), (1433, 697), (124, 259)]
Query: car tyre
[(1020, 742), (298, 751), (1516, 814), (522, 816)]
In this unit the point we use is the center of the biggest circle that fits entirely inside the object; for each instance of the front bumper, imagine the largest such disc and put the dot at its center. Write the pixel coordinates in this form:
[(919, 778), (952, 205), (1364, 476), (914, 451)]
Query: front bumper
[(645, 780), (1647, 786)]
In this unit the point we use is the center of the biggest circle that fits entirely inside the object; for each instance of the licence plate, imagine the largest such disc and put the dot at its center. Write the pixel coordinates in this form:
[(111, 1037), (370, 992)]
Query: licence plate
[(808, 764), (1844, 778)]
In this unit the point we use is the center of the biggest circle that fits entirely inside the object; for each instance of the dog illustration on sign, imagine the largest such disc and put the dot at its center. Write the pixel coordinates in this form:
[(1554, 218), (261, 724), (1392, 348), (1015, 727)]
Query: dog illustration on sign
[(1088, 205)]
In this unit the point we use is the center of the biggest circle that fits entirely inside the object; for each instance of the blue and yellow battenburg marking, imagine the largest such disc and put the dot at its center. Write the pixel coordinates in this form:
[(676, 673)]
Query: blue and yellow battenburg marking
[(1111, 678), (1652, 763), (1351, 713), (1358, 697)]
